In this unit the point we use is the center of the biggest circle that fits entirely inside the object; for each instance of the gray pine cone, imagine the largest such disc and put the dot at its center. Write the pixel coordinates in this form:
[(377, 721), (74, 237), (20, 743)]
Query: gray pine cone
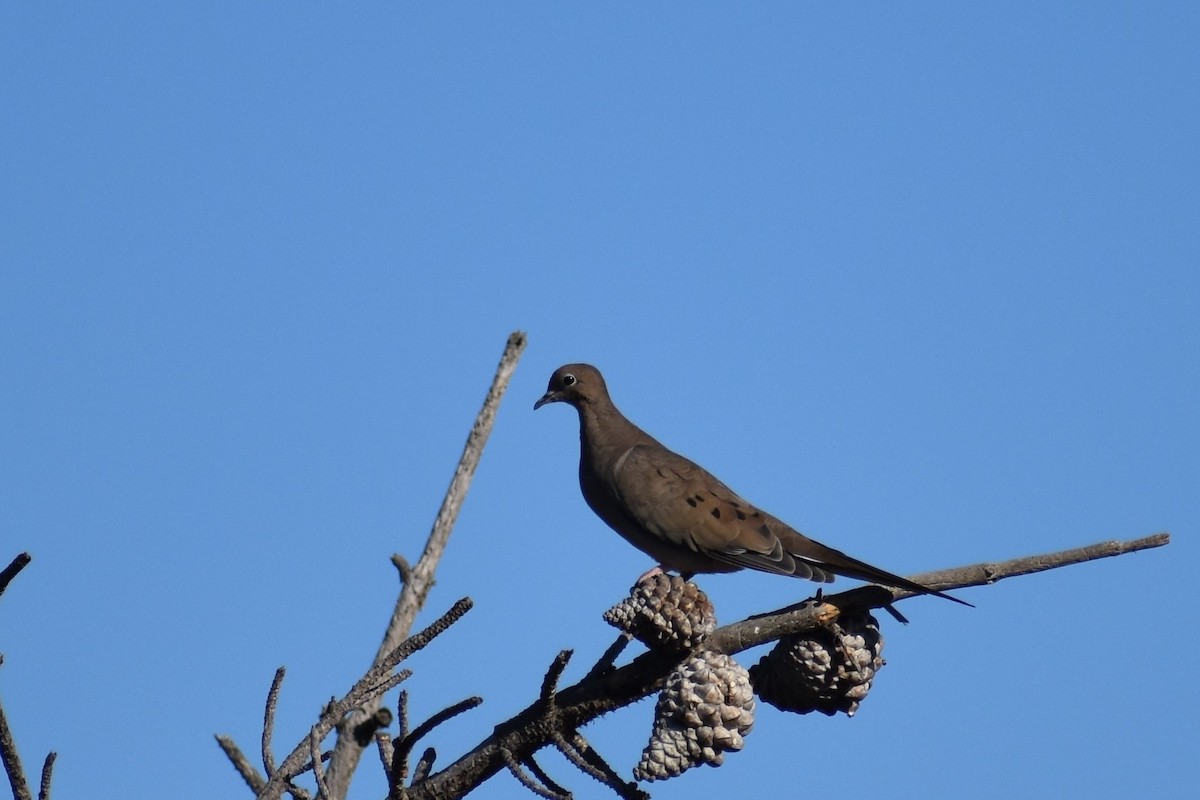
[(706, 709), (664, 612), (827, 670)]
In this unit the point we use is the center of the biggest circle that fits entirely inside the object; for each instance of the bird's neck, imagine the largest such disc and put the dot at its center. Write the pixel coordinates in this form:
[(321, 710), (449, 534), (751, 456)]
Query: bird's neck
[(619, 434)]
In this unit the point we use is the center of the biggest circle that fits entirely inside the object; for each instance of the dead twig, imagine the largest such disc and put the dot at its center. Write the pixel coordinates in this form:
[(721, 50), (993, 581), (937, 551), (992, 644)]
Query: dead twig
[(268, 758), (15, 566), (418, 579), (47, 769)]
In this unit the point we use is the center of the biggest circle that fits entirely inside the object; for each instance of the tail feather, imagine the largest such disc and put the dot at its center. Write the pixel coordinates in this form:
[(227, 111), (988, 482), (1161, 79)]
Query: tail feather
[(838, 562)]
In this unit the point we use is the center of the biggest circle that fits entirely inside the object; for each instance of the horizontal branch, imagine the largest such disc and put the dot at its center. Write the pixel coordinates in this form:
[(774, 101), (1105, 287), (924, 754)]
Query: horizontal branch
[(604, 691), (991, 572)]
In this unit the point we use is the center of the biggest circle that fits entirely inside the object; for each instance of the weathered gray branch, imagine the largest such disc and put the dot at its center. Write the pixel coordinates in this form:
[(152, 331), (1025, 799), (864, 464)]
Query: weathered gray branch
[(12, 761), (16, 565), (418, 579), (8, 746), (358, 715)]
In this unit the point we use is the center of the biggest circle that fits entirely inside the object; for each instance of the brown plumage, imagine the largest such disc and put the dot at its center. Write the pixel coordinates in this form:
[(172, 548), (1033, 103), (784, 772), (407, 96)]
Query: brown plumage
[(678, 513)]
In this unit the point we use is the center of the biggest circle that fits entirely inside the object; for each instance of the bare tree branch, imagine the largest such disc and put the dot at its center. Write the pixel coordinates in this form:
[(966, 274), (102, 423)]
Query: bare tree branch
[(424, 764), (581, 753), (10, 572), (47, 769), (988, 573), (12, 761), (8, 747), (314, 751), (528, 781), (419, 578), (541, 775), (406, 745), (249, 773), (268, 759), (550, 681)]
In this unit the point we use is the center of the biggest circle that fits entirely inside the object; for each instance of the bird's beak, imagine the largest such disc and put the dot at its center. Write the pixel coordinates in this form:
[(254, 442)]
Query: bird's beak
[(548, 397)]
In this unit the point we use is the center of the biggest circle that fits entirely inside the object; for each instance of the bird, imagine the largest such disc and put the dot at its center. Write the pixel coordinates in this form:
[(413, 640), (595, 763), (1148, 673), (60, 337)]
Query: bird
[(677, 512)]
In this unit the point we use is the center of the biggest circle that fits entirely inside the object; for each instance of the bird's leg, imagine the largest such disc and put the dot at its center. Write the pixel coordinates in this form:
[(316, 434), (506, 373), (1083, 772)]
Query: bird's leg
[(657, 569)]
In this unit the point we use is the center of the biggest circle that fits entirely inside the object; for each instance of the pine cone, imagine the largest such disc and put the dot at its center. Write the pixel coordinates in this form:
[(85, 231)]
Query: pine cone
[(827, 670), (706, 709), (664, 612)]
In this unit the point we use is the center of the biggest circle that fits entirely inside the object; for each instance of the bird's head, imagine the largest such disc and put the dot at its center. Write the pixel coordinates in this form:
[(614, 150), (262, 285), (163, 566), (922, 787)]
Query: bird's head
[(573, 384)]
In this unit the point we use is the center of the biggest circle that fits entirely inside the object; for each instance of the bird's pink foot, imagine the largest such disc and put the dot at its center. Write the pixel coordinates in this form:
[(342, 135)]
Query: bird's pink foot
[(657, 569)]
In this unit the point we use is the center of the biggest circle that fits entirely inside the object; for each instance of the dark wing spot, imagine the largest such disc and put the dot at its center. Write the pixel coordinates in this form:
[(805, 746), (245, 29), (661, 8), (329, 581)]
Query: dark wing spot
[(764, 529), (739, 513), (735, 504), (756, 514), (691, 501), (699, 498), (716, 512)]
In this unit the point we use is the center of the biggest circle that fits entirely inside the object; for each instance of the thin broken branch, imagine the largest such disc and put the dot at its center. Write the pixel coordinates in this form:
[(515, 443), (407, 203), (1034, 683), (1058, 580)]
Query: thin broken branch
[(12, 761), (527, 780), (406, 745), (424, 764), (550, 681), (539, 773), (16, 565), (47, 769), (314, 751), (268, 758), (248, 771), (991, 572), (418, 579)]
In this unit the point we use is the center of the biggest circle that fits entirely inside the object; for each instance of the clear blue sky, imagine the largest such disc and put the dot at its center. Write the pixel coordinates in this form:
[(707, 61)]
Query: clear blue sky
[(921, 280)]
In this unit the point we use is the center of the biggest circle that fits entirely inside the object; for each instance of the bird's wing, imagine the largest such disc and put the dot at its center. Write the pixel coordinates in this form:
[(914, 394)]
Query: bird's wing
[(681, 503)]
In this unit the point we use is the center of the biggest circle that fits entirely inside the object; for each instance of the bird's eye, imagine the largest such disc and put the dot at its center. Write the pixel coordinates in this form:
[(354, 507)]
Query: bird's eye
[(568, 380)]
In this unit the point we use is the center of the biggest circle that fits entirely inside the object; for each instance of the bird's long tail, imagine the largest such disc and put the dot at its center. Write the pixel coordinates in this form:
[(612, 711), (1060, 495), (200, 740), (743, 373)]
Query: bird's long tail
[(838, 562)]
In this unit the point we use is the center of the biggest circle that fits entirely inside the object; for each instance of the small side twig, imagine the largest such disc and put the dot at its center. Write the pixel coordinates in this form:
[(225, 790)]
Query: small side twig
[(268, 758), (403, 567), (249, 773), (424, 764), (539, 773), (609, 657), (387, 752), (16, 565), (47, 768), (550, 681), (314, 749), (406, 745), (398, 769), (527, 780), (580, 752), (573, 755), (12, 761)]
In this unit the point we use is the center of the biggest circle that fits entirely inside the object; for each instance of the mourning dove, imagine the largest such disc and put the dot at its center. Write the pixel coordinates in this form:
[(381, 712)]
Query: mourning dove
[(675, 511)]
